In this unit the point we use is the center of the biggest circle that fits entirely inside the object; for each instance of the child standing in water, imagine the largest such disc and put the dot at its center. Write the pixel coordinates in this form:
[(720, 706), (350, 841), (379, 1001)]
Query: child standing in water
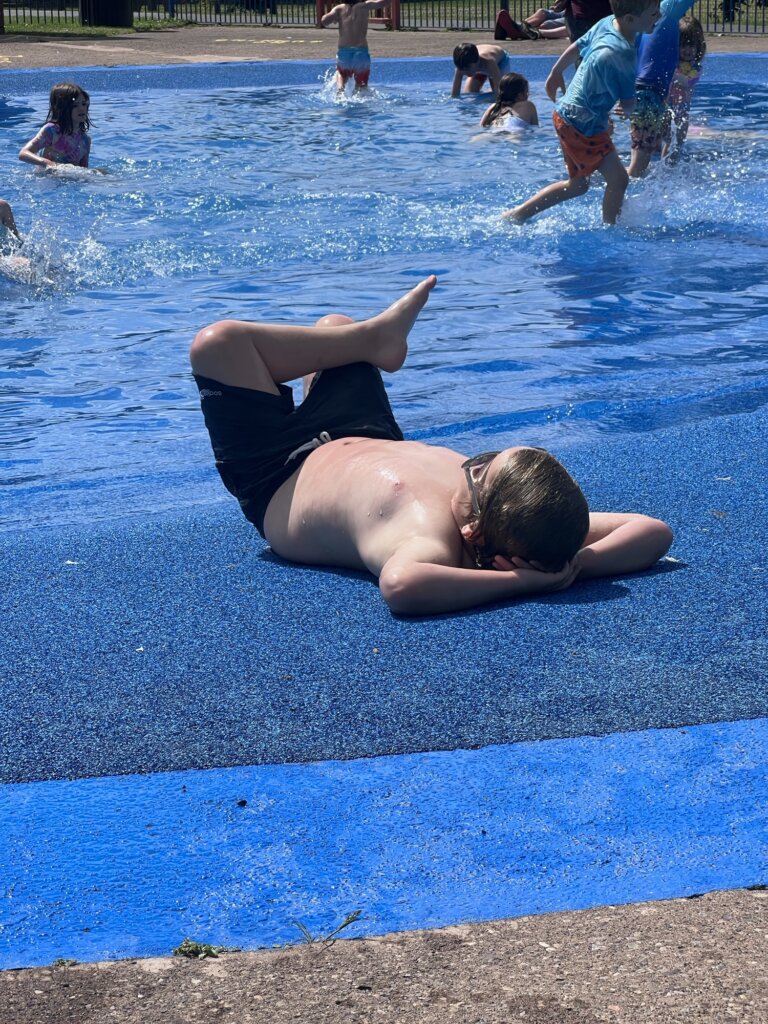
[(512, 111), (64, 138), (581, 118), (352, 59), (693, 47), (658, 56)]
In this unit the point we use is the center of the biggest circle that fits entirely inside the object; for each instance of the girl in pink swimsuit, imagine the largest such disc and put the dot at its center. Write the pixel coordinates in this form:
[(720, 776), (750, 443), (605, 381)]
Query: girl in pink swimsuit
[(64, 138)]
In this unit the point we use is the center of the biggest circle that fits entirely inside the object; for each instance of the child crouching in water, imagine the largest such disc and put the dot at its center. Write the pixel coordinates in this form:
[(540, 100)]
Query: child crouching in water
[(64, 138), (693, 48), (605, 76), (512, 111)]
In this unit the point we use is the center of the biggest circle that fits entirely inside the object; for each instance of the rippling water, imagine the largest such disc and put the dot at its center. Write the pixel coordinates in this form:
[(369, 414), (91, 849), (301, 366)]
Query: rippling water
[(286, 204)]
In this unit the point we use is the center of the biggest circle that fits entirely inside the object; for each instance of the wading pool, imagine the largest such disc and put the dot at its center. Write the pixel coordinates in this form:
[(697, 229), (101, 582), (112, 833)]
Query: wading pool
[(252, 191)]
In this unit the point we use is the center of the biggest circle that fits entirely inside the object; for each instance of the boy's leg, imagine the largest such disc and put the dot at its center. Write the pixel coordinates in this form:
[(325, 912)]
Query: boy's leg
[(616, 181), (648, 127), (639, 161), (332, 320), (261, 356), (552, 195)]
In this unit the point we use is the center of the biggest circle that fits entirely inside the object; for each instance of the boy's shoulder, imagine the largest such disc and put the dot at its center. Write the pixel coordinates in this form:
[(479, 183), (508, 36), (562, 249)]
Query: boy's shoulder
[(607, 45)]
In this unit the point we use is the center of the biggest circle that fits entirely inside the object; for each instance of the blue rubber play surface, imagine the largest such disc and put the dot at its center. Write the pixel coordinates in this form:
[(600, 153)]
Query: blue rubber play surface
[(198, 739)]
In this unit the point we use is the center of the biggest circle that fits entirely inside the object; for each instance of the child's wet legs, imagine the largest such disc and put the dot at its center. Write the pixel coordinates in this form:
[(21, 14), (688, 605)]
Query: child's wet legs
[(616, 181), (638, 163), (552, 195)]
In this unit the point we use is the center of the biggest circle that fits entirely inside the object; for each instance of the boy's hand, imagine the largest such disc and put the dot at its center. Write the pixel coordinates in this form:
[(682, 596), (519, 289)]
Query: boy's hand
[(554, 82), (537, 579)]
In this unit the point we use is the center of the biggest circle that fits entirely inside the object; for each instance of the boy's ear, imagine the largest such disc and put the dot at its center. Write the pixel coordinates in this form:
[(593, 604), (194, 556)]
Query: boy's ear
[(471, 532)]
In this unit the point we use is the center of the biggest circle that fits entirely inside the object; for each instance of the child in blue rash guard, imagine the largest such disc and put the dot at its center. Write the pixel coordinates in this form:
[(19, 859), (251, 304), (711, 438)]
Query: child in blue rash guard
[(581, 118), (658, 56)]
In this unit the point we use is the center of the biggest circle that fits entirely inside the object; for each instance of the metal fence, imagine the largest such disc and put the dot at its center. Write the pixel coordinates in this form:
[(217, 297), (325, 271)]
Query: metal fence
[(727, 16)]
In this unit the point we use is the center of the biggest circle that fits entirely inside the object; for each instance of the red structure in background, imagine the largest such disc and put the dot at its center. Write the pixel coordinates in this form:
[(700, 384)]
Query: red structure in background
[(379, 16)]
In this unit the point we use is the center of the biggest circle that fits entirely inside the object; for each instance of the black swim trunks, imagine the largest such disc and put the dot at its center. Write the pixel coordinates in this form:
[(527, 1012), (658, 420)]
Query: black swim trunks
[(259, 439)]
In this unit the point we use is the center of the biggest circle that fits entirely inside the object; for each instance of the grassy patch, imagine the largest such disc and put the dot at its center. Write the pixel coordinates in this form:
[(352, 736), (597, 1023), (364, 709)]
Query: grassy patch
[(63, 27), (313, 940), (193, 950)]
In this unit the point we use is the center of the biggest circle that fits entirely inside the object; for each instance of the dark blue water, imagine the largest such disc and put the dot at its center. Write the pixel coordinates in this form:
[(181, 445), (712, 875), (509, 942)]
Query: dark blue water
[(230, 197)]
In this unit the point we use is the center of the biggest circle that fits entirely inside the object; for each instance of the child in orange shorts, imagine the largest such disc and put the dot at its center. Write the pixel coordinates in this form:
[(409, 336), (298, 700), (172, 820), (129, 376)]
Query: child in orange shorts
[(605, 76)]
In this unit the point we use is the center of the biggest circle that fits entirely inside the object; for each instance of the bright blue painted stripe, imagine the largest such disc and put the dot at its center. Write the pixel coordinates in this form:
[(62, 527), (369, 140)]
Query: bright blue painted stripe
[(118, 867)]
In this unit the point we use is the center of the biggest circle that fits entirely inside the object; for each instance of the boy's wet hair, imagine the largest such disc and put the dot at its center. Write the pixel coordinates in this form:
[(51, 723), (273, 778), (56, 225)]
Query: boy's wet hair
[(692, 34), (621, 8), (533, 509), (465, 55), (60, 104)]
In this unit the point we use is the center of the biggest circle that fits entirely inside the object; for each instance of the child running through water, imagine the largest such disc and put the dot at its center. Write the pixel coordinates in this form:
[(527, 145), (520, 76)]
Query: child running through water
[(352, 58), (693, 47), (478, 64), (581, 117), (512, 111), (64, 138), (658, 56)]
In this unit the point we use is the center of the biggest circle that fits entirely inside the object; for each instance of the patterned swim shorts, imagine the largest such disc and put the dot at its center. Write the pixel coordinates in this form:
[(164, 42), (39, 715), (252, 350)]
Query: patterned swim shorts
[(650, 121)]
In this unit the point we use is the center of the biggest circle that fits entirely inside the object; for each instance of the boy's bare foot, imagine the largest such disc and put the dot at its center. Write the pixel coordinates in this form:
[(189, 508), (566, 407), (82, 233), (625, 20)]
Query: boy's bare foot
[(390, 329), (514, 215)]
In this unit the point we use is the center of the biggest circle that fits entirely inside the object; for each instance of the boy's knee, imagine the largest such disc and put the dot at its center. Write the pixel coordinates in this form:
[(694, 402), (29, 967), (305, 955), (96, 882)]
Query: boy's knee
[(210, 340), (622, 179), (334, 320), (579, 186)]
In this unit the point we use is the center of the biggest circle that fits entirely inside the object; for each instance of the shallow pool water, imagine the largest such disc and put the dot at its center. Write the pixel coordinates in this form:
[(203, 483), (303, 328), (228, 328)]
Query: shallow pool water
[(251, 191)]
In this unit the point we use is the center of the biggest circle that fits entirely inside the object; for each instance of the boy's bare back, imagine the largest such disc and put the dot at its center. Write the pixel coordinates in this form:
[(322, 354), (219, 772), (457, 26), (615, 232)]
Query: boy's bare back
[(352, 20)]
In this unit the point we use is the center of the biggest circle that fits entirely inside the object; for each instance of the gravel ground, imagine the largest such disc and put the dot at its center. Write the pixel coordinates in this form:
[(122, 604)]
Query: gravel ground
[(693, 961)]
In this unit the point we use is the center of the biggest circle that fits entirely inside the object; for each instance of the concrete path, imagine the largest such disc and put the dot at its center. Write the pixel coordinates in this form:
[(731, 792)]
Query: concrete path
[(203, 44)]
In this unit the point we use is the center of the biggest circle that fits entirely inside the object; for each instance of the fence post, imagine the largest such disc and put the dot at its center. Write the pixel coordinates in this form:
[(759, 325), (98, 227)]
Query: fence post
[(395, 14), (319, 11), (2, 18)]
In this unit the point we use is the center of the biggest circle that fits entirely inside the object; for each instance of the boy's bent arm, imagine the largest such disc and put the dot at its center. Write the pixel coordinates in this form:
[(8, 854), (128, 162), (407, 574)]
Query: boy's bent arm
[(331, 17), (413, 587), (456, 87), (555, 78), (622, 542)]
